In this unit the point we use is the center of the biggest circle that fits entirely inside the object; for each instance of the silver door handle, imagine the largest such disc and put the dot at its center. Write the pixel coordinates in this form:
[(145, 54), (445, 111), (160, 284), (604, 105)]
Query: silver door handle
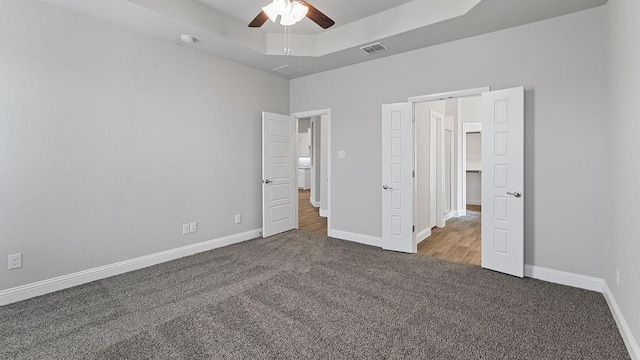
[(515, 194), (387, 187), (268, 181)]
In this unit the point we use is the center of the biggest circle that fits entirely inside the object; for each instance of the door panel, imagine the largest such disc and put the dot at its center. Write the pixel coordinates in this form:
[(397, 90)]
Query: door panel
[(279, 168), (397, 178), (503, 181)]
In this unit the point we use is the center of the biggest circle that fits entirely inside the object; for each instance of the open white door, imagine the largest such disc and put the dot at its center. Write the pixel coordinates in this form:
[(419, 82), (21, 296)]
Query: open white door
[(279, 187), (397, 178), (503, 181)]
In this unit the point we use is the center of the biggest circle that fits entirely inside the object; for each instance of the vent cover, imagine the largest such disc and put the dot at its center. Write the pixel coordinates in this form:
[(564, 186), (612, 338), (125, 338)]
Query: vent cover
[(287, 70), (373, 48)]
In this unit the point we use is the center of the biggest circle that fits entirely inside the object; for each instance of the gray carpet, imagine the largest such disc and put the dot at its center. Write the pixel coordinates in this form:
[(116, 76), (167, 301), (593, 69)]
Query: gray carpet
[(300, 295)]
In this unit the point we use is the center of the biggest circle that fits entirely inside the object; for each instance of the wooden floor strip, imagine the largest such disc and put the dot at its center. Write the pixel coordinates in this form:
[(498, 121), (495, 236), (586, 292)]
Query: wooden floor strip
[(458, 241), (309, 218)]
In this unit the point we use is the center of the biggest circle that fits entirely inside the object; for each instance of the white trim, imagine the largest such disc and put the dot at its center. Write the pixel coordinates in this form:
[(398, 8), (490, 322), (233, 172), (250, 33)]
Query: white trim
[(472, 202), (448, 215), (325, 213), (625, 332), (27, 291), (564, 278), (359, 238), (314, 203), (460, 212), (423, 235), (449, 94)]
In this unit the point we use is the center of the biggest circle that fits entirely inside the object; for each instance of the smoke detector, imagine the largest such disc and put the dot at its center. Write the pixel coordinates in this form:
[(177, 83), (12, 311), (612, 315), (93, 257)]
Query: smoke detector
[(187, 39)]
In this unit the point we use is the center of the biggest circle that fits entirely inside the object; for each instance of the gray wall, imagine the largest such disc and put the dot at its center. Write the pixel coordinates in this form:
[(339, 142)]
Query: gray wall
[(561, 64), (622, 241), (111, 140)]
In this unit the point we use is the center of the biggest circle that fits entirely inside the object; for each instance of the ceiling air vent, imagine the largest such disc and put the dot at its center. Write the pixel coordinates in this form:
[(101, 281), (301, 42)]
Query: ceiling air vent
[(287, 70), (373, 48)]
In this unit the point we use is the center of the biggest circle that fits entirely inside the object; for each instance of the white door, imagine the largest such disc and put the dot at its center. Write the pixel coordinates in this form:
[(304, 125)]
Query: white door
[(279, 193), (397, 178), (503, 181)]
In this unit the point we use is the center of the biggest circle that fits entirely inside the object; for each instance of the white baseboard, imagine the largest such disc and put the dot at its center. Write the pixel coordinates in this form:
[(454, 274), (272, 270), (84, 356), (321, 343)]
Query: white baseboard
[(27, 291), (473, 202), (448, 215), (359, 238), (324, 213), (627, 336), (314, 203), (423, 235), (564, 278), (461, 212)]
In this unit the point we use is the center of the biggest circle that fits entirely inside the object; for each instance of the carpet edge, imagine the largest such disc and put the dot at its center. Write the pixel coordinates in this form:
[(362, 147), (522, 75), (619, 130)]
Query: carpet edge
[(43, 287)]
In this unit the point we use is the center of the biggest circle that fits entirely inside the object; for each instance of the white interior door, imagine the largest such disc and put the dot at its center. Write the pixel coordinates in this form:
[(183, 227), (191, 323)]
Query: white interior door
[(279, 170), (503, 181), (397, 178)]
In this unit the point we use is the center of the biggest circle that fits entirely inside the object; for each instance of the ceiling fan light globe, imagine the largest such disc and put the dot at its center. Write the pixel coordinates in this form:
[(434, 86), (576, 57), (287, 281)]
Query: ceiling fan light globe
[(298, 11), (287, 20), (271, 11), (282, 6)]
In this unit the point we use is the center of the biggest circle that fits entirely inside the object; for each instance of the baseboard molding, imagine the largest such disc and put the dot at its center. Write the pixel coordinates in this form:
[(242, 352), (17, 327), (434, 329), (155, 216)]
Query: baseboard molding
[(314, 203), (472, 202), (448, 215), (27, 291), (359, 238), (563, 278), (625, 332), (423, 235), (459, 213), (324, 213)]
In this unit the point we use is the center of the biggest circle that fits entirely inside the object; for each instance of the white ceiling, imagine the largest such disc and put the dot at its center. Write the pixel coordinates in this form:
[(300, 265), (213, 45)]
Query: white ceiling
[(220, 26)]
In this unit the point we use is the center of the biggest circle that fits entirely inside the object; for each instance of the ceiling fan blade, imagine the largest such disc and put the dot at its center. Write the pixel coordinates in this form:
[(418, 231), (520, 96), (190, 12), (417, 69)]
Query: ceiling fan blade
[(259, 20), (317, 16)]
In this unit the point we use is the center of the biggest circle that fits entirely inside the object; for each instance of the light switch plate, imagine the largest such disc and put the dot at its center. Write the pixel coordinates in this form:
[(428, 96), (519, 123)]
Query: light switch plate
[(342, 154), (193, 227)]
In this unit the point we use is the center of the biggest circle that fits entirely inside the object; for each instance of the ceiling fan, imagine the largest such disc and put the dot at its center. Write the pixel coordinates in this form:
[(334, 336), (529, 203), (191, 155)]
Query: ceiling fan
[(290, 12)]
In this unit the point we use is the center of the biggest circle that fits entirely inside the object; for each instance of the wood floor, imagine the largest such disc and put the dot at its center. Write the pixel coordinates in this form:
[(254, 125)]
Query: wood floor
[(309, 218), (458, 241)]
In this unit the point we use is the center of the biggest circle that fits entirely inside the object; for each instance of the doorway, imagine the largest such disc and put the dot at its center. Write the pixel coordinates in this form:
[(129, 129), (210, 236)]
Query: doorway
[(453, 231), (502, 233), (313, 171)]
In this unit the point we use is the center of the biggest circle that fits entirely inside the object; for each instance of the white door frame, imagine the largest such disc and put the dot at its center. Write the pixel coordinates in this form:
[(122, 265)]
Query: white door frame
[(308, 114)]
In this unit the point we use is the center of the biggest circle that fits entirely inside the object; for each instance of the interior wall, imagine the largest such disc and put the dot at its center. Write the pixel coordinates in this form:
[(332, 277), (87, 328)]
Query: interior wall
[(422, 118), (622, 244), (560, 62), (110, 140)]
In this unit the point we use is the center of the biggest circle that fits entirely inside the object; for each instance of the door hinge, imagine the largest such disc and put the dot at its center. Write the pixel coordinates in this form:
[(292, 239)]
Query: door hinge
[(414, 229), (413, 173)]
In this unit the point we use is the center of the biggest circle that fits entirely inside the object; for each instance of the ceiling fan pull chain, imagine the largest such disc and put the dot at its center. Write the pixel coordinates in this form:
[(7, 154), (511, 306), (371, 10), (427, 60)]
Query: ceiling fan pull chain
[(287, 40)]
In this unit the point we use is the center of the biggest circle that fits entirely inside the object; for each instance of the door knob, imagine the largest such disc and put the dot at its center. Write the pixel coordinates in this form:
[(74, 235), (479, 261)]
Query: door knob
[(515, 194), (268, 181), (387, 187)]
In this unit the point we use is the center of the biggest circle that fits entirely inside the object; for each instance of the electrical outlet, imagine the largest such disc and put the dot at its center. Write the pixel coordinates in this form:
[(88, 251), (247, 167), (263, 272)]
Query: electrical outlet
[(193, 227), (238, 219), (617, 276), (185, 229), (15, 261)]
